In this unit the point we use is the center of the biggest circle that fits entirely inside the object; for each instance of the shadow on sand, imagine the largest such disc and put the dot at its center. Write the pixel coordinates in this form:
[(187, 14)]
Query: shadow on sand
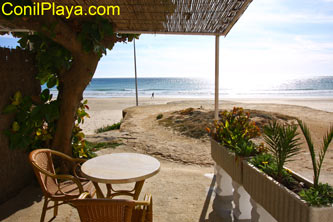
[(26, 198), (212, 215)]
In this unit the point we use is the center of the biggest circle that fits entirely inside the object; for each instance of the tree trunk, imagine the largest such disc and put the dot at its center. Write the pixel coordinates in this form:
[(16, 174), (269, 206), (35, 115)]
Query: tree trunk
[(72, 85)]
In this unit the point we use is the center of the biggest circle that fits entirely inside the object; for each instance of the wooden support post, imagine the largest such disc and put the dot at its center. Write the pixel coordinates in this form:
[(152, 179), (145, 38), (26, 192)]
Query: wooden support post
[(136, 77), (217, 67)]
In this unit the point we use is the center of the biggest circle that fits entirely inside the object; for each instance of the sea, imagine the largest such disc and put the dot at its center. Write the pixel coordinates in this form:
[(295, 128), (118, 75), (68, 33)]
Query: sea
[(313, 87)]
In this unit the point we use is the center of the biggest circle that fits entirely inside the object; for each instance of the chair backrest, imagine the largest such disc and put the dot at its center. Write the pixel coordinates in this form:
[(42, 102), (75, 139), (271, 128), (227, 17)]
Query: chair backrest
[(102, 210), (41, 160)]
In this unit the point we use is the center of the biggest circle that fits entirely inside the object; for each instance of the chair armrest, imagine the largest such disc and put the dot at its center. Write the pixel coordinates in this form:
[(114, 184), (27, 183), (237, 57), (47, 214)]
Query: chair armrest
[(75, 167), (147, 200), (146, 207), (60, 177), (75, 160), (78, 160), (84, 195)]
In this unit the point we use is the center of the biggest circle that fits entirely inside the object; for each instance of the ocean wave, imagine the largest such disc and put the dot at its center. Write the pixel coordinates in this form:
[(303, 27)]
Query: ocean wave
[(110, 89), (161, 89), (190, 88)]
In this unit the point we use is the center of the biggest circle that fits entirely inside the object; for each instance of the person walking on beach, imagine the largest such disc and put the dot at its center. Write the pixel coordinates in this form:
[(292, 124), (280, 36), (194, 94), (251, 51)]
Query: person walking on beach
[(152, 95)]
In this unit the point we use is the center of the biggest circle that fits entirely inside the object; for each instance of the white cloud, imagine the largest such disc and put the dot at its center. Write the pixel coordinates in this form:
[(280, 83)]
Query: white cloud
[(289, 12), (274, 40), (305, 18), (276, 61)]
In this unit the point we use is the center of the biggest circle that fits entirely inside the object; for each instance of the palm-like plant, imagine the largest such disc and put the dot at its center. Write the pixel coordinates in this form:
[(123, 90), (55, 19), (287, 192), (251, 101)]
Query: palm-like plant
[(282, 142), (327, 139)]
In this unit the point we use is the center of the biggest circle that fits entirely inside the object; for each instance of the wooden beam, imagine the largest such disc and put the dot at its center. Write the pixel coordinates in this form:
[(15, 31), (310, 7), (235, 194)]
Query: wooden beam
[(167, 33)]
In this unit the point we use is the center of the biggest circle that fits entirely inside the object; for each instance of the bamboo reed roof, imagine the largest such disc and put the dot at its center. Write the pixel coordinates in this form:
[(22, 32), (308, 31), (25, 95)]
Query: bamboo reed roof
[(205, 17)]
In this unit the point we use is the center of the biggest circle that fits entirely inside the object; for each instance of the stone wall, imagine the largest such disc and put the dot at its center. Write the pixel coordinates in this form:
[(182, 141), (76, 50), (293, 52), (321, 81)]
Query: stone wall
[(16, 74)]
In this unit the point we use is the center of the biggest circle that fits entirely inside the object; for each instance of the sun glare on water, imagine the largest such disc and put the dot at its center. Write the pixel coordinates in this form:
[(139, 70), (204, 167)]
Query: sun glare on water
[(243, 83)]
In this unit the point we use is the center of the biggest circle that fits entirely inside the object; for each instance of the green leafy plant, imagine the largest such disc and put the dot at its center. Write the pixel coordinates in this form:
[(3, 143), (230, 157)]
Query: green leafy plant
[(51, 59), (267, 163), (316, 164), (97, 146), (159, 116), (79, 146), (245, 148), (56, 45), (235, 131), (34, 122), (262, 161), (283, 143), (322, 195), (114, 126)]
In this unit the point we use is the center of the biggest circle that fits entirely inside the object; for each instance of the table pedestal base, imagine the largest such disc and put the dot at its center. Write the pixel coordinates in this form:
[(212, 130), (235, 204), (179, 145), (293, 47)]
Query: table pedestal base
[(112, 193)]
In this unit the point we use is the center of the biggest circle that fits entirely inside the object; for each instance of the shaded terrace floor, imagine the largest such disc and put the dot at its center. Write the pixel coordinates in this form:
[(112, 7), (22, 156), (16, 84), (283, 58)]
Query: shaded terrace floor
[(180, 193)]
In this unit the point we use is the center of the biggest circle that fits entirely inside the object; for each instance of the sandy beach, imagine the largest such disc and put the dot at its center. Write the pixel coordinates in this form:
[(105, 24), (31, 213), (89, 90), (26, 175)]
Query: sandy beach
[(183, 190)]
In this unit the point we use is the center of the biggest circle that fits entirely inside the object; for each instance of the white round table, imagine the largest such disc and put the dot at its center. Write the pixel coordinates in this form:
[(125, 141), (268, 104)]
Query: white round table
[(118, 168)]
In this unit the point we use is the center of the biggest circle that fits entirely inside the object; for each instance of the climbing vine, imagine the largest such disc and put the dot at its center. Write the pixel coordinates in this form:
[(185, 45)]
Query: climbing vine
[(34, 123), (36, 119)]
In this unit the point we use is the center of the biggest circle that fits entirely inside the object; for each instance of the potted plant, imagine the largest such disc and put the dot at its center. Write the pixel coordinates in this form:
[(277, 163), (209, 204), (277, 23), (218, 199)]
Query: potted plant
[(284, 194), (231, 141)]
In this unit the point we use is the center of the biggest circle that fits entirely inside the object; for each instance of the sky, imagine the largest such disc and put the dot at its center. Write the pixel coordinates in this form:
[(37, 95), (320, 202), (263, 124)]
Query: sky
[(273, 40)]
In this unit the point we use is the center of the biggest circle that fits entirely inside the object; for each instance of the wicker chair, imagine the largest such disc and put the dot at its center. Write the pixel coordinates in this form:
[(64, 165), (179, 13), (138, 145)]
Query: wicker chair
[(58, 188), (115, 210)]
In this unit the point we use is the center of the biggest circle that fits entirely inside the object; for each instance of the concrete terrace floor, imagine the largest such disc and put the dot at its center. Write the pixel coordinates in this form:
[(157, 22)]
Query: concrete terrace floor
[(182, 193)]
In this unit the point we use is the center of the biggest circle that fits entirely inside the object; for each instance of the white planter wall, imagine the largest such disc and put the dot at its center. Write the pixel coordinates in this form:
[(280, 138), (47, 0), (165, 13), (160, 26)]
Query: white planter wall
[(228, 161), (256, 196), (283, 204), (229, 178)]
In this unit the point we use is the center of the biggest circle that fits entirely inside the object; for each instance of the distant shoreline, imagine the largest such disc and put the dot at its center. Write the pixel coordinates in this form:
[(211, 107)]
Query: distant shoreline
[(196, 88), (319, 103)]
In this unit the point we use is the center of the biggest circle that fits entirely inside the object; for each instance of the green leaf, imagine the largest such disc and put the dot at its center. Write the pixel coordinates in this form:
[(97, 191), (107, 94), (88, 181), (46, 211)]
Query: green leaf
[(52, 82), (9, 109), (26, 103), (45, 95), (17, 98), (35, 111), (15, 126)]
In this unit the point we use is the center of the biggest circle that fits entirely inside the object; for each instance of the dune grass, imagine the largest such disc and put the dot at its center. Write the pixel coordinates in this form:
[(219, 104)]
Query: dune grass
[(159, 116), (103, 129), (97, 146)]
